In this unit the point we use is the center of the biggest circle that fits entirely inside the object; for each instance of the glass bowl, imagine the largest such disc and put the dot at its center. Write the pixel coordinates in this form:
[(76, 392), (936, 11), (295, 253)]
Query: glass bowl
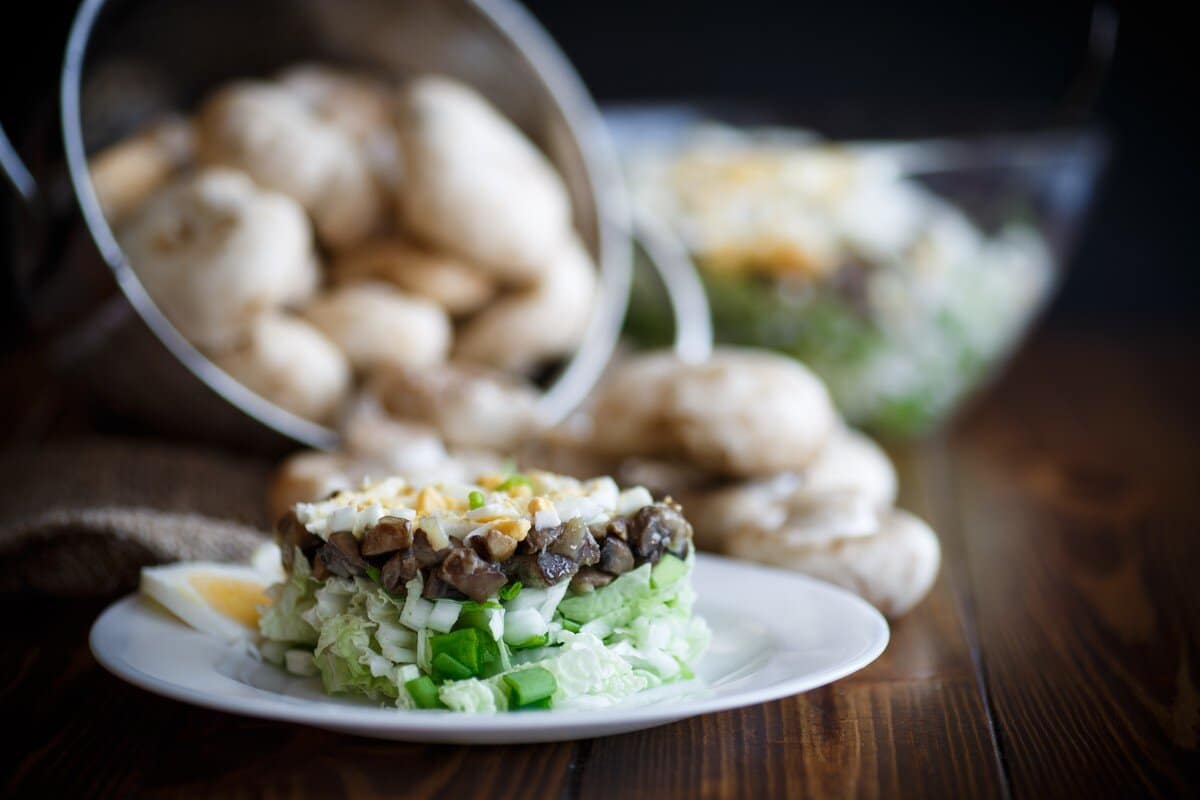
[(903, 273)]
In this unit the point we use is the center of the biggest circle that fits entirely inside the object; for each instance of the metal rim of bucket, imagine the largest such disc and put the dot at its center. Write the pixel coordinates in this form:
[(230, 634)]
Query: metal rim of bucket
[(599, 159)]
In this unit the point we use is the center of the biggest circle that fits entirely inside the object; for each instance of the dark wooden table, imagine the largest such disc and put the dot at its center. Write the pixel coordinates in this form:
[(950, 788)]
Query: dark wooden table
[(1058, 655)]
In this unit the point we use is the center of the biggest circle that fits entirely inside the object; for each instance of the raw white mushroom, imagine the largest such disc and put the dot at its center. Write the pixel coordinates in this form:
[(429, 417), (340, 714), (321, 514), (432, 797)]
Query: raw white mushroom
[(292, 364), (284, 145), (531, 326), (214, 251), (565, 449), (782, 506), (376, 325), (630, 416), (307, 476), (400, 447), (475, 186), (749, 412), (359, 105), (743, 413), (852, 461), (469, 406), (837, 495), (447, 280), (892, 569), (382, 445), (127, 173)]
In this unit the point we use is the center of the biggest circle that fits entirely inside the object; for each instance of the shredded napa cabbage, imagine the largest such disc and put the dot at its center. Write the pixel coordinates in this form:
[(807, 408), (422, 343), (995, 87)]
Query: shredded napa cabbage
[(283, 620), (601, 647)]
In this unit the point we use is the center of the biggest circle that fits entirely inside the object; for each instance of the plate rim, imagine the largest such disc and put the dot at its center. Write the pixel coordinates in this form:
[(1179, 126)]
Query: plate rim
[(417, 721)]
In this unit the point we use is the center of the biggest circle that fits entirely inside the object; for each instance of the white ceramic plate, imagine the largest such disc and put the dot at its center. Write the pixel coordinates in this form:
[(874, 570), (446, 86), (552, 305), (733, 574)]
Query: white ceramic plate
[(775, 634)]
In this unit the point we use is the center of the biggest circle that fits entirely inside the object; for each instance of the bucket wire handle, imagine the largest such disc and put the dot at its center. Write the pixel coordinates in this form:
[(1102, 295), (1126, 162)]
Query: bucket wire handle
[(685, 290), (15, 170)]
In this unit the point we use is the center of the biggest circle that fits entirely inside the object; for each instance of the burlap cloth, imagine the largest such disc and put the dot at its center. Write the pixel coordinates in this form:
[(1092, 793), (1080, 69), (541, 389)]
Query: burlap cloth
[(82, 518)]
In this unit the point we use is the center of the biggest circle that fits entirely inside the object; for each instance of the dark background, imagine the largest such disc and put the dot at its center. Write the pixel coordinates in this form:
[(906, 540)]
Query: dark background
[(856, 68)]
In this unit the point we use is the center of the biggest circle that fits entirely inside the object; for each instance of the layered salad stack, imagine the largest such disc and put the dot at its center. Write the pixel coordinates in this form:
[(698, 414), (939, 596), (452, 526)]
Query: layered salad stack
[(519, 591)]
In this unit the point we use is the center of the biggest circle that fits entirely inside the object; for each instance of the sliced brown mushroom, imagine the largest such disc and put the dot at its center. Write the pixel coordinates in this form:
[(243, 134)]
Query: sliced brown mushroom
[(545, 569), (290, 533), (494, 546), (589, 579), (539, 539), (399, 570), (342, 556), (389, 535), (615, 556), (425, 553), (576, 543), (655, 529), (473, 576), (435, 589)]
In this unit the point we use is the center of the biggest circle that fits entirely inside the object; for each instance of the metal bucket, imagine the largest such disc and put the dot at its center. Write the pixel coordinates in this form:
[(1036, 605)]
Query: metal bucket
[(129, 60)]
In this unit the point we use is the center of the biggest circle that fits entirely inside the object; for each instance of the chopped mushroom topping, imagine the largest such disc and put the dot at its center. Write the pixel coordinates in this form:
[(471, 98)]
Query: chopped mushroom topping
[(469, 541), (399, 570), (342, 557), (476, 578), (389, 535), (589, 579), (291, 534), (615, 556)]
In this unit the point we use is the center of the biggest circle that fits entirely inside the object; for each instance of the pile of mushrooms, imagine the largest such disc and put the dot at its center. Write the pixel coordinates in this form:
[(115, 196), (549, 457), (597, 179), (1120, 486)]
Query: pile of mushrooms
[(748, 442), (752, 446), (324, 233), (400, 261)]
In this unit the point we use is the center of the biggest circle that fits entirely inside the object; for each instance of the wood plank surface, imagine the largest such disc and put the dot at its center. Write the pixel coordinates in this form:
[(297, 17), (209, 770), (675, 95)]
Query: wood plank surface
[(1056, 656), (913, 724), (1079, 484)]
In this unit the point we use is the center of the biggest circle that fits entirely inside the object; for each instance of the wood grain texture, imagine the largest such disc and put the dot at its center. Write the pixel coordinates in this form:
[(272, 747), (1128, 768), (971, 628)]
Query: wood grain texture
[(913, 724), (1056, 656), (1079, 486)]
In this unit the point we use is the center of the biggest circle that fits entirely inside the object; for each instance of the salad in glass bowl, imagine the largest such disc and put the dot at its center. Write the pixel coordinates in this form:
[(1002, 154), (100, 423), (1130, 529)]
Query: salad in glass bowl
[(902, 273)]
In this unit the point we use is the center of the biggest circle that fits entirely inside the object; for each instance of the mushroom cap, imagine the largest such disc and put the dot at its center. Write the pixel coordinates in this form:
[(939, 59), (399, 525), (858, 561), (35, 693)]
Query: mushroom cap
[(446, 280), (534, 325), (375, 325), (468, 406), (356, 103), (305, 477), (852, 461), (630, 415), (742, 413), (271, 134), (127, 173), (474, 185), (892, 569), (292, 364), (383, 445), (214, 251), (748, 412)]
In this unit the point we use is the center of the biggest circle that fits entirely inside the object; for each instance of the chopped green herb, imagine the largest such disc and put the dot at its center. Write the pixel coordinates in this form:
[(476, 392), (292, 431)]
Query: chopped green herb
[(472, 648), (511, 590), (373, 574), (471, 605), (531, 685), (475, 498), (513, 481), (531, 642), (461, 645), (536, 705), (478, 616), (424, 692), (571, 625), (667, 571), (448, 667)]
